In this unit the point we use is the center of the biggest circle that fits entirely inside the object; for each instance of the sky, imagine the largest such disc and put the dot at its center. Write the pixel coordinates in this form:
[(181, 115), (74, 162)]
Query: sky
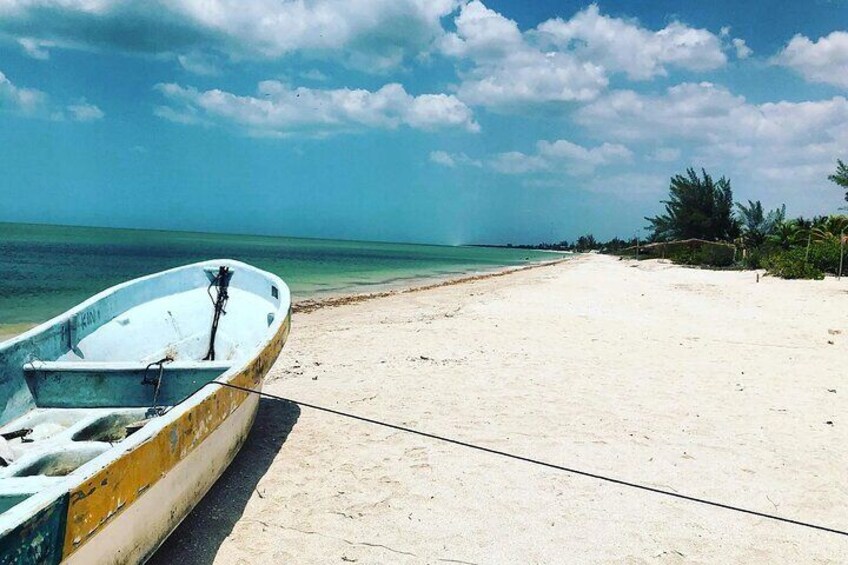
[(431, 121)]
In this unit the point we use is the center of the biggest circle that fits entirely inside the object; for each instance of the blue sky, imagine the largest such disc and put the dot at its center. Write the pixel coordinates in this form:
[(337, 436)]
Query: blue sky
[(413, 120)]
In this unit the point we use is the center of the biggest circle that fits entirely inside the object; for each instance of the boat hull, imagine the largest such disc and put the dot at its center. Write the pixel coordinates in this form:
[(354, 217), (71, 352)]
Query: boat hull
[(135, 535), (74, 494), (125, 512)]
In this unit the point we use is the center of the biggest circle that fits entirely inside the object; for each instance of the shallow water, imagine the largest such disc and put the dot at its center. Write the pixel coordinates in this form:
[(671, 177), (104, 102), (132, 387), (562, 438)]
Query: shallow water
[(44, 270)]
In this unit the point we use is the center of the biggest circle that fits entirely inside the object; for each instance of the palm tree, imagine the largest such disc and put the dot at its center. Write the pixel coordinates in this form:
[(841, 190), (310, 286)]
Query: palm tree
[(787, 234), (757, 225), (830, 229)]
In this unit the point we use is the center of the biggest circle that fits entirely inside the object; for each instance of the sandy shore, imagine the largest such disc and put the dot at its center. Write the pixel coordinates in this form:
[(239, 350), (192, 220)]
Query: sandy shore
[(704, 383)]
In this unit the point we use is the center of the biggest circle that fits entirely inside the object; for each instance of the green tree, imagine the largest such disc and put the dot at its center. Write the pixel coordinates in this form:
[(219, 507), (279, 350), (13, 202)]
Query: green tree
[(840, 177), (830, 229), (758, 225), (787, 234), (696, 208), (586, 243)]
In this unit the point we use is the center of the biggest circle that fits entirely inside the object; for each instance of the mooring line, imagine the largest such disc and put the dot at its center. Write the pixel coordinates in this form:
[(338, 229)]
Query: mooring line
[(538, 462)]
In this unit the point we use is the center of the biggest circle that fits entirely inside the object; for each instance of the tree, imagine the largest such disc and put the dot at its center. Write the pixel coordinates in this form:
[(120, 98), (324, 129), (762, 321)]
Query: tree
[(757, 225), (586, 243), (696, 208), (830, 229), (840, 177), (787, 234)]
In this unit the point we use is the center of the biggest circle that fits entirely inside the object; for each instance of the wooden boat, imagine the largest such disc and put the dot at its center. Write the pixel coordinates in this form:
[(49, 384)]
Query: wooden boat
[(112, 424)]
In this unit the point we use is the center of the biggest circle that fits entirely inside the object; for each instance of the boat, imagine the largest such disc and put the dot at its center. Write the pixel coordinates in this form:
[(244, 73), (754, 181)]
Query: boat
[(120, 414)]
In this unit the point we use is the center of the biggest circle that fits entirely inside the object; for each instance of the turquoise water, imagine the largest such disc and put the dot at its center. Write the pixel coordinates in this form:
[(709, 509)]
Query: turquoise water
[(44, 270)]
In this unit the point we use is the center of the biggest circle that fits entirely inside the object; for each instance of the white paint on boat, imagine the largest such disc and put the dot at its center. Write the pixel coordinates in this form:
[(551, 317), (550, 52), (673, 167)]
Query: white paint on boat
[(139, 531)]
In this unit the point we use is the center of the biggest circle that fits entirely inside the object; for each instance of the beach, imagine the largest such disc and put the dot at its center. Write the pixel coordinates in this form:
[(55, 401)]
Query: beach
[(710, 384)]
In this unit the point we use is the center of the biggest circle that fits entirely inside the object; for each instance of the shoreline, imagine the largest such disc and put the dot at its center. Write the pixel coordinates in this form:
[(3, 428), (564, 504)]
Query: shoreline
[(312, 304), (331, 300)]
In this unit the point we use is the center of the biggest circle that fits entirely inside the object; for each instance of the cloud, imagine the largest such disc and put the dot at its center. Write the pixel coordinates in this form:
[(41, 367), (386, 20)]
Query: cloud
[(665, 154), (33, 103), (278, 110), (517, 163), (825, 60), (563, 150), (709, 112), (561, 155), (442, 158), (508, 70), (22, 101), (199, 63), (452, 160), (566, 60), (791, 145), (35, 48), (371, 34), (84, 112), (742, 49), (624, 46)]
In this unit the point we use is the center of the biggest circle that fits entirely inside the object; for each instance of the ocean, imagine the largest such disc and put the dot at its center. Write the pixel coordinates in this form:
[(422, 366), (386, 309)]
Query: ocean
[(45, 269)]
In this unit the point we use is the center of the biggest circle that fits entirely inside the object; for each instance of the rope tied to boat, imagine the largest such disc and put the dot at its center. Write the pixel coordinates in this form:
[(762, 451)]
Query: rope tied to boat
[(221, 281), (157, 382), (541, 463)]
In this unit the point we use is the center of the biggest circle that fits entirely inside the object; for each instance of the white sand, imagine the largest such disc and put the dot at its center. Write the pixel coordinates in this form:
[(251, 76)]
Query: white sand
[(705, 383)]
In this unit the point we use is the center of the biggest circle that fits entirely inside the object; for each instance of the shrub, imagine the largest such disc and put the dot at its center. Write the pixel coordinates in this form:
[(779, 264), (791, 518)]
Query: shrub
[(703, 254), (792, 265), (756, 258), (824, 255)]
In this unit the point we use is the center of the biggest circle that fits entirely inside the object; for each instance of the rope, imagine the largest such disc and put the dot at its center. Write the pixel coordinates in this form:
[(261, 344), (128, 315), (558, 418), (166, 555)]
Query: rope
[(157, 382), (221, 280), (554, 466)]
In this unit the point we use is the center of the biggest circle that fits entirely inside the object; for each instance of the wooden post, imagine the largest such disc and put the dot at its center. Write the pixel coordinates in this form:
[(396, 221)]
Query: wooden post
[(841, 253), (809, 239)]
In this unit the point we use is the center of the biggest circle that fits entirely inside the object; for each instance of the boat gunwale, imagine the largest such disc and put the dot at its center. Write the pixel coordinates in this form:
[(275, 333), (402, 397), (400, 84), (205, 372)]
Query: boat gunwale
[(39, 501)]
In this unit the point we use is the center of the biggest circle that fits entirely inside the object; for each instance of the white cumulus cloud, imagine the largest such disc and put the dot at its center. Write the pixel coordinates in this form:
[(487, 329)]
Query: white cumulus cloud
[(824, 60), (624, 46), (509, 70), (782, 146), (566, 60), (278, 109)]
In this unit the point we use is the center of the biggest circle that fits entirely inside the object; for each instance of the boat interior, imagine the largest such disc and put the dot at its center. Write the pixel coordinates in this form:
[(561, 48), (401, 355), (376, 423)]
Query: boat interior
[(77, 386)]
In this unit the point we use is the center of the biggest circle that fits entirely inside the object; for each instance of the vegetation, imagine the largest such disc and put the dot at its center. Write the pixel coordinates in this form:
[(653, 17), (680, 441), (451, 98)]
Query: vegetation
[(792, 264), (840, 177), (699, 227), (757, 225), (696, 208), (583, 243)]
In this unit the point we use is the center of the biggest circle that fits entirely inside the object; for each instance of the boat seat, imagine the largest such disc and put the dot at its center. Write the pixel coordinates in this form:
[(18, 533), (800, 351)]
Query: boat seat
[(100, 384)]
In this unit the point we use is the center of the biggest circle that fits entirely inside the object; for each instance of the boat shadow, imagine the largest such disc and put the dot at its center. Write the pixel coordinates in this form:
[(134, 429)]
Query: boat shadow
[(197, 539)]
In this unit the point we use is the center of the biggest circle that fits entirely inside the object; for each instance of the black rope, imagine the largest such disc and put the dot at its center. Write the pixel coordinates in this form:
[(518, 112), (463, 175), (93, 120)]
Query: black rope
[(597, 476), (221, 280), (157, 382)]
